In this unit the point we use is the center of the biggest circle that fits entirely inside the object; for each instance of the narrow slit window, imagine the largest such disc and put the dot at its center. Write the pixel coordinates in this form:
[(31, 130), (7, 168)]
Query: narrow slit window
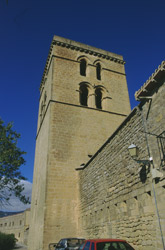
[(98, 98), (161, 145), (83, 66), (84, 95), (98, 71)]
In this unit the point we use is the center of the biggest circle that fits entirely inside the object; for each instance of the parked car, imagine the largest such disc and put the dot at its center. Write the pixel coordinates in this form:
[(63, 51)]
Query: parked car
[(106, 244), (81, 246), (69, 244)]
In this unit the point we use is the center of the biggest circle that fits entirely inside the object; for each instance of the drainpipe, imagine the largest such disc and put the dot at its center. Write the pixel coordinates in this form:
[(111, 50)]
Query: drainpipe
[(152, 165)]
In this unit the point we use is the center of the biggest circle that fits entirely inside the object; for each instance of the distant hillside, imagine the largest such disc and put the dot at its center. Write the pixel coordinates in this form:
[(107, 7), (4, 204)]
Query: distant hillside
[(3, 214)]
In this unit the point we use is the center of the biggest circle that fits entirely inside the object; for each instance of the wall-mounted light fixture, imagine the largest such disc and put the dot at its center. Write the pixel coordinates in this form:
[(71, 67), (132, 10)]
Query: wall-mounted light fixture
[(133, 151)]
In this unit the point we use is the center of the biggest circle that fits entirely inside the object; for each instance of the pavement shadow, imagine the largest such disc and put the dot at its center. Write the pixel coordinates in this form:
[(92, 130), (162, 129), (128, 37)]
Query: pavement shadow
[(20, 247)]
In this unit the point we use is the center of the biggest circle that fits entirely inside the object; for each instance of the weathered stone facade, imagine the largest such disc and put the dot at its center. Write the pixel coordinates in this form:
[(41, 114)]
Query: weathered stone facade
[(122, 197), (17, 224), (84, 98)]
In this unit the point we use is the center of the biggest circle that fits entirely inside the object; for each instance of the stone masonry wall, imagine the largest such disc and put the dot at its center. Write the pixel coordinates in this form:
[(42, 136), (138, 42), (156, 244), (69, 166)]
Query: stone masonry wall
[(118, 197), (154, 117)]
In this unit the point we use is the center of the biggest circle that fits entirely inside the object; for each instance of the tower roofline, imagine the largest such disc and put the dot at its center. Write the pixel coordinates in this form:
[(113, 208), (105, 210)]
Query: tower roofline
[(87, 49)]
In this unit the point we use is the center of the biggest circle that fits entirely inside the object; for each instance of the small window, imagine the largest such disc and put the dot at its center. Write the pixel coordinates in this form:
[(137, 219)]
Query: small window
[(98, 98), (84, 95), (45, 97), (41, 110), (83, 65), (161, 144), (98, 71)]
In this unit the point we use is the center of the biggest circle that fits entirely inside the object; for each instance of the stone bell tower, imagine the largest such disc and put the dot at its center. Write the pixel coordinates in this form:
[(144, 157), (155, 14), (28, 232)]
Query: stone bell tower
[(83, 99)]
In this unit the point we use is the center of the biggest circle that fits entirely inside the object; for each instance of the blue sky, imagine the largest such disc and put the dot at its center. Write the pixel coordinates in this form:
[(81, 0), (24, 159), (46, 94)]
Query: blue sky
[(132, 28), (14, 204)]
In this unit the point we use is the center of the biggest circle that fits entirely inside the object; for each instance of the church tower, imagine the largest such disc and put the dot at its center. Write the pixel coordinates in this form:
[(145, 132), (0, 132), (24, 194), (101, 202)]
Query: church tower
[(83, 99)]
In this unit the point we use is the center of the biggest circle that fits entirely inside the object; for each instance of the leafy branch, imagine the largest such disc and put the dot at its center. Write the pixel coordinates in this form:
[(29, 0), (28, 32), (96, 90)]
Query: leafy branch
[(11, 158)]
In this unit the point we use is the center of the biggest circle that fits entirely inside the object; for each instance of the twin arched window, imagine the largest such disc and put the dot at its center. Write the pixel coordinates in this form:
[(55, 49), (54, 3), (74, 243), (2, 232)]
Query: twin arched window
[(83, 67), (84, 94)]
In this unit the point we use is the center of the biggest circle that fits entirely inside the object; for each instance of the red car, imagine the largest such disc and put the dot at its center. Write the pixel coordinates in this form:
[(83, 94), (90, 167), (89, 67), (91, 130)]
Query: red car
[(106, 244)]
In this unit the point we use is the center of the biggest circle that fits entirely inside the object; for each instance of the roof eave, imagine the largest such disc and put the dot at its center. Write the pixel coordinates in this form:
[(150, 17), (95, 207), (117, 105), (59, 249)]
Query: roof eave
[(151, 82)]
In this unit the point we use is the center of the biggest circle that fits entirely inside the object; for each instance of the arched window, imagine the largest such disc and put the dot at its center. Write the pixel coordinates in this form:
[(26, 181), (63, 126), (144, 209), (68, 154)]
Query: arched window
[(84, 95), (98, 98), (83, 66), (98, 71)]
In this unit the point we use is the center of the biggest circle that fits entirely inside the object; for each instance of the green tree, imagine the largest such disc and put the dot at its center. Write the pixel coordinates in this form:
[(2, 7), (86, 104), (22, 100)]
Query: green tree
[(7, 241), (11, 158)]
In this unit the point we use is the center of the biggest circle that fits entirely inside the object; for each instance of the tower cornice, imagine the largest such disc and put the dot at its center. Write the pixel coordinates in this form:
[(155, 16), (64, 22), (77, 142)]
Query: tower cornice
[(88, 51)]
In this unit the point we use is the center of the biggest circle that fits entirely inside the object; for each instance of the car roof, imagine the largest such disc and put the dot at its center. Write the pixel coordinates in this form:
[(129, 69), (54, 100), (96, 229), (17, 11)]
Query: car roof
[(73, 238), (105, 240)]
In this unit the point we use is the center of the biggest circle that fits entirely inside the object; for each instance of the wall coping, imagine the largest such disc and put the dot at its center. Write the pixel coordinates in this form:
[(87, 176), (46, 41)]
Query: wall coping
[(151, 82)]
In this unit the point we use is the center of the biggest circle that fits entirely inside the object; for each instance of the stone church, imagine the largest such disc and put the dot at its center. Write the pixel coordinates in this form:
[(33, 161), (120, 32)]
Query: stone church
[(86, 184)]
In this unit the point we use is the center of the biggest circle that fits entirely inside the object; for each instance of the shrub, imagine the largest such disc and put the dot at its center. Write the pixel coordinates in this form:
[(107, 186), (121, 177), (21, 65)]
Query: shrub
[(7, 241)]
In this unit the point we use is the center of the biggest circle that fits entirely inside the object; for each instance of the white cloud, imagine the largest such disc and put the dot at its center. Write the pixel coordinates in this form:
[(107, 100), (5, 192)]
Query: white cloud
[(15, 205)]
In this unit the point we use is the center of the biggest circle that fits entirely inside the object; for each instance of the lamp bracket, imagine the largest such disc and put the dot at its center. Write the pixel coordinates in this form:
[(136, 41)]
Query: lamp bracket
[(145, 162)]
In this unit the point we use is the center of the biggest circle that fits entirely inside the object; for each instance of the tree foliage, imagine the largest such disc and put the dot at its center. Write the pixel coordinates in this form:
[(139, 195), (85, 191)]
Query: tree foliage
[(7, 241), (11, 158)]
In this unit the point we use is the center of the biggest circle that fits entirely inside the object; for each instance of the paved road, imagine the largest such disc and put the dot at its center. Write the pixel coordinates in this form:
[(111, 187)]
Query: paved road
[(20, 246)]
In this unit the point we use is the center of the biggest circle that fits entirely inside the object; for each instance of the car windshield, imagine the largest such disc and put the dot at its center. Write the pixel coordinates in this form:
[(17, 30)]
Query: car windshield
[(113, 245), (81, 246), (75, 242)]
